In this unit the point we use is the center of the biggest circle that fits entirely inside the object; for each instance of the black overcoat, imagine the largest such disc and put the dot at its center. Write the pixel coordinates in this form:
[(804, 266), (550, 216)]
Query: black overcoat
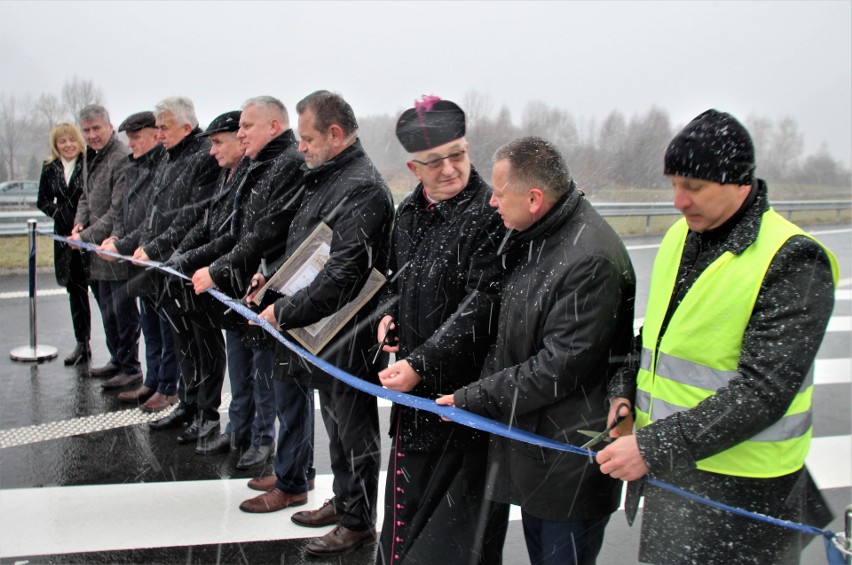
[(348, 194), (58, 199), (444, 294), (566, 323)]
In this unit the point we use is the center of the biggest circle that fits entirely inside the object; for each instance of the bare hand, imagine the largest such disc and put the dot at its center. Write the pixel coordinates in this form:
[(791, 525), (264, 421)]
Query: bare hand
[(446, 400), (257, 282), (622, 460), (269, 315), (387, 326), (109, 246), (140, 255), (625, 428), (399, 377), (201, 280)]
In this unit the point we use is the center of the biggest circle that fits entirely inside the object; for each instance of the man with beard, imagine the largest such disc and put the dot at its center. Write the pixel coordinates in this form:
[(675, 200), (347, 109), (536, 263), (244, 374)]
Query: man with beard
[(443, 296), (344, 190), (566, 321)]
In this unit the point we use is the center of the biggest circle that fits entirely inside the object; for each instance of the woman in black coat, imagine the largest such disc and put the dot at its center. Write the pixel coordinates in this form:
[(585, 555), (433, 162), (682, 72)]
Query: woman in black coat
[(59, 190)]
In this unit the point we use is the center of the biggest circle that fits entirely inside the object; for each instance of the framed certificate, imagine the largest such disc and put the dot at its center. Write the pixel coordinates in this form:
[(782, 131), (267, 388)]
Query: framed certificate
[(299, 271)]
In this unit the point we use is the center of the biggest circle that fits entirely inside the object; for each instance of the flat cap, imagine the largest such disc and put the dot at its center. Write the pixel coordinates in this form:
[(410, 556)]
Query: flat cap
[(227, 122), (137, 121)]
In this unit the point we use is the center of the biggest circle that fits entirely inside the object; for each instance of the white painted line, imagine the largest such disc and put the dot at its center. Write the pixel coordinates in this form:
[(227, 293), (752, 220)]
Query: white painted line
[(832, 371), (65, 517), (829, 461), (843, 294), (26, 294), (839, 324), (125, 516)]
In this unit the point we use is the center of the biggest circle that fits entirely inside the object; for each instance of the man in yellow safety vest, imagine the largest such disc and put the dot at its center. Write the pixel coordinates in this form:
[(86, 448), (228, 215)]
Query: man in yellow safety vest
[(721, 385)]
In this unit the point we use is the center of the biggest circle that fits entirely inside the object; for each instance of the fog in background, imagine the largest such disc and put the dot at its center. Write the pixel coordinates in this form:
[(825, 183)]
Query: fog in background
[(774, 60)]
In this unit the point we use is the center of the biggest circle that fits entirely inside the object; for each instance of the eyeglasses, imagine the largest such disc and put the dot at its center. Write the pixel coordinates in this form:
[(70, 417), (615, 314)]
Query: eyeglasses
[(454, 157)]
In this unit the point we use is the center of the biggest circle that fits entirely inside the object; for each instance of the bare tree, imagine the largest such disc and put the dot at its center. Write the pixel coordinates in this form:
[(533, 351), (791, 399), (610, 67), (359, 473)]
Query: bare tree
[(49, 110), (78, 93), (786, 148), (476, 106), (14, 128)]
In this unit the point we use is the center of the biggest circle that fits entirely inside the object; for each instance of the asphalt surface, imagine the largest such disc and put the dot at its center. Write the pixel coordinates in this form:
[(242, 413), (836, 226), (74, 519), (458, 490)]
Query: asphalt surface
[(83, 479)]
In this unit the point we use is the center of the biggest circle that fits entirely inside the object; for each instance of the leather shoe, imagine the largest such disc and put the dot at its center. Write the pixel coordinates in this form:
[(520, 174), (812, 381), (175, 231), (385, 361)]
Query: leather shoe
[(81, 354), (266, 483), (340, 540), (254, 455), (199, 429), (181, 415), (322, 516), (122, 380), (139, 395), (107, 370), (158, 402), (221, 444), (273, 500), (263, 483)]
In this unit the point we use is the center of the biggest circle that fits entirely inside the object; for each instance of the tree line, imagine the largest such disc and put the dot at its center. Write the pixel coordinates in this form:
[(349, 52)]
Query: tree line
[(611, 153)]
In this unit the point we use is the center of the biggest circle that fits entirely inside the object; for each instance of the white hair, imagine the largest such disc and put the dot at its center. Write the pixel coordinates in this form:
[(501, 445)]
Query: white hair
[(180, 107)]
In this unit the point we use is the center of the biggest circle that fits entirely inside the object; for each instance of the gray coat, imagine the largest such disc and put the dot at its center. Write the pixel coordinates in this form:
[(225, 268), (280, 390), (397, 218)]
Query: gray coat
[(100, 203)]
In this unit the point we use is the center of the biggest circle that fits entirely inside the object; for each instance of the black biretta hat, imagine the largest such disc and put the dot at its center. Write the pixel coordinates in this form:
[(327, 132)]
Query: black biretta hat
[(432, 122), (227, 122), (714, 146), (137, 121)]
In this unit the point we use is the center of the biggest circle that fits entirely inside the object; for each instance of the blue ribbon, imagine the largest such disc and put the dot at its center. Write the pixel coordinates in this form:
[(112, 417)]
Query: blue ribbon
[(457, 415)]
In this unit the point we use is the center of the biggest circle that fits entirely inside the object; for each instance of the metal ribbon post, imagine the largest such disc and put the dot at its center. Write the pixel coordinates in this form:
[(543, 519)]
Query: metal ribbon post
[(33, 352)]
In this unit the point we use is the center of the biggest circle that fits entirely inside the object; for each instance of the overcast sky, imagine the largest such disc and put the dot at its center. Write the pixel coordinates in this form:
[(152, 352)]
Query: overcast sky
[(772, 59)]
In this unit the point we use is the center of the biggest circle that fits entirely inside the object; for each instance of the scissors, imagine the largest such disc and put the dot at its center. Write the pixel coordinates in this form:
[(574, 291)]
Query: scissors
[(598, 437), (389, 339)]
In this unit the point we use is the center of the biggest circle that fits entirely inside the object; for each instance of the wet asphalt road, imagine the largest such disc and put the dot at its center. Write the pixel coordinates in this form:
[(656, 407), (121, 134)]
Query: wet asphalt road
[(125, 452)]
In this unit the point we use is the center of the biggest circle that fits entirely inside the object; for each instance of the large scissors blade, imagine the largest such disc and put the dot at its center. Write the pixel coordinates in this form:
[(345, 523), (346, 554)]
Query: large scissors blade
[(604, 435)]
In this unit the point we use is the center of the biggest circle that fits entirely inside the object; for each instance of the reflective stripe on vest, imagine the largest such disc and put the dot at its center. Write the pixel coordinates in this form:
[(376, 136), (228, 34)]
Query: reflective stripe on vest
[(699, 352)]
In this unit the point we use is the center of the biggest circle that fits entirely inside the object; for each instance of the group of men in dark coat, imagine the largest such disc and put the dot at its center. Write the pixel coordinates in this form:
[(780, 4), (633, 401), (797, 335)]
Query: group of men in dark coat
[(513, 302)]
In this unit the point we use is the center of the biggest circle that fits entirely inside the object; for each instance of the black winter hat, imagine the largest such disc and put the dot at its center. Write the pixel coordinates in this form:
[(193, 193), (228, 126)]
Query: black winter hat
[(715, 147), (432, 122), (137, 121), (227, 122)]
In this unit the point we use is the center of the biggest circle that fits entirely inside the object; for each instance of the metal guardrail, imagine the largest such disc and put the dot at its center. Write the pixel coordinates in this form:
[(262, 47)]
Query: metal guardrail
[(22, 200), (651, 209), (15, 222)]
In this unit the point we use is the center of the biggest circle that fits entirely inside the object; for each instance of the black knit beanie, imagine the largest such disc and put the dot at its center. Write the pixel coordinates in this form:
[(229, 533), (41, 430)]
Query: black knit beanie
[(714, 147)]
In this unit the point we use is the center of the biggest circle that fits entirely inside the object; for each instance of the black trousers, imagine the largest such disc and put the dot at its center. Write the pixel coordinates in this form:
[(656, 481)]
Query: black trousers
[(351, 420), (78, 298), (200, 350), (121, 323)]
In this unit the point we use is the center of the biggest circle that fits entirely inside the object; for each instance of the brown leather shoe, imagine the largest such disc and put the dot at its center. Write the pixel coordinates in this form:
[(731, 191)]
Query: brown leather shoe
[(141, 394), (158, 402), (262, 483), (265, 483), (322, 516), (272, 501), (340, 540)]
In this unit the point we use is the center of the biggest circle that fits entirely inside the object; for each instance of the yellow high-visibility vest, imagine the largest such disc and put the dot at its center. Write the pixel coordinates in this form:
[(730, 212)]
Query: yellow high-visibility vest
[(699, 352)]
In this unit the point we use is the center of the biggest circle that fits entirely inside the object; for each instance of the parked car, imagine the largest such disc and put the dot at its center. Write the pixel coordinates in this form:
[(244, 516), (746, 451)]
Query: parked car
[(18, 192)]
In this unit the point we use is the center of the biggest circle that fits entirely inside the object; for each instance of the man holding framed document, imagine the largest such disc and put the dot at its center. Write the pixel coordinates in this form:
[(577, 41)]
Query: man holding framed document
[(345, 191)]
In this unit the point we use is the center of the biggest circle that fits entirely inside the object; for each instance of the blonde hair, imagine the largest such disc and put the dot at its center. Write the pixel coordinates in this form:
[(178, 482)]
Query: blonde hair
[(64, 130)]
